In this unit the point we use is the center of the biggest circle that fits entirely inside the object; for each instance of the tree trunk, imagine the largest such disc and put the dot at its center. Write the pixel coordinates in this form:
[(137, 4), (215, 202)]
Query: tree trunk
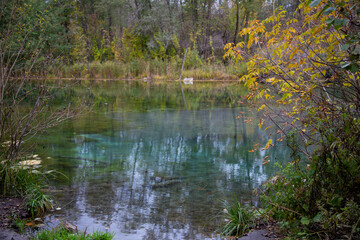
[(110, 22), (237, 21)]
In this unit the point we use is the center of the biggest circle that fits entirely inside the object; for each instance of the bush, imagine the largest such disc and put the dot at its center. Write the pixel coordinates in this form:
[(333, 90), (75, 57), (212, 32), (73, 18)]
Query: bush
[(305, 72)]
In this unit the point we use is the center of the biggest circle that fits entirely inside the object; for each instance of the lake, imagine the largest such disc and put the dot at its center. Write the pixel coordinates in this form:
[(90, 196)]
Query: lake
[(143, 166)]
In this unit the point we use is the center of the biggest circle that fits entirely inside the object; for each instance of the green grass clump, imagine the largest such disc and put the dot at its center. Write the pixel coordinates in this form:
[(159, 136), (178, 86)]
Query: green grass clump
[(37, 201), (239, 219), (27, 183), (65, 234)]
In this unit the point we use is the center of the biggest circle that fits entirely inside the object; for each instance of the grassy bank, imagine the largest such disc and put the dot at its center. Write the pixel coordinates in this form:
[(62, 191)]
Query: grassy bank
[(63, 233), (152, 69)]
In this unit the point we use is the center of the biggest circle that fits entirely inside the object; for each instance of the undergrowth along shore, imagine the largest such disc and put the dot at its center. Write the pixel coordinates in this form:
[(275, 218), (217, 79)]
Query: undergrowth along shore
[(25, 179), (284, 206), (64, 234), (155, 69)]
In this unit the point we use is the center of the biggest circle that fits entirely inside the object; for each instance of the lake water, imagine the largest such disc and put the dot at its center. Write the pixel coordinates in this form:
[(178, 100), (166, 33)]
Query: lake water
[(142, 166)]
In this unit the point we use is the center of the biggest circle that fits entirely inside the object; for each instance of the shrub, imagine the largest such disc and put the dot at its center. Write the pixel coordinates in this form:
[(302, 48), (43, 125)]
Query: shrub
[(305, 72)]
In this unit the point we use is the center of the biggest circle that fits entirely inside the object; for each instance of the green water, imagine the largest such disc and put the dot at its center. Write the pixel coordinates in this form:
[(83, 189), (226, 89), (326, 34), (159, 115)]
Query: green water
[(142, 166)]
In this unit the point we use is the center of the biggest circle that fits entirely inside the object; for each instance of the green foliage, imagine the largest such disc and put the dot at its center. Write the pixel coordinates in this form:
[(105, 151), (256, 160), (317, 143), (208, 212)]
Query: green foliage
[(20, 224), (281, 191), (129, 47), (13, 179), (27, 182), (37, 201), (238, 69), (239, 219), (158, 51), (102, 49), (291, 199), (192, 60), (32, 32), (106, 30), (64, 234)]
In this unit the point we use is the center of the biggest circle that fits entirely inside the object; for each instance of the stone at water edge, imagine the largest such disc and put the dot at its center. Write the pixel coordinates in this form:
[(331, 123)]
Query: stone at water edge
[(70, 227)]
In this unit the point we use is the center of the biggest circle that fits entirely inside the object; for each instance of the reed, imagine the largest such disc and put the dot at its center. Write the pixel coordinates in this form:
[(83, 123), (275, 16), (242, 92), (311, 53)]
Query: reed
[(156, 69)]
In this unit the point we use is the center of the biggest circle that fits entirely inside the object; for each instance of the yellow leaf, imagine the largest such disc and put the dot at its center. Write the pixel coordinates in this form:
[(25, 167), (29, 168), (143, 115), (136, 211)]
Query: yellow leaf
[(262, 107), (268, 127), (260, 123)]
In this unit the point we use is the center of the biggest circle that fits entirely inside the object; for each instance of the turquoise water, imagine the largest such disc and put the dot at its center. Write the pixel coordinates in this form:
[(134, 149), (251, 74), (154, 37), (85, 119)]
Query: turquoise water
[(145, 169)]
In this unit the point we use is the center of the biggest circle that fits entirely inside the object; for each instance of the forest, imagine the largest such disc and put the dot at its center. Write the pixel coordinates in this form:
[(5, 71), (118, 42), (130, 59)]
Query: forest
[(92, 37), (272, 118)]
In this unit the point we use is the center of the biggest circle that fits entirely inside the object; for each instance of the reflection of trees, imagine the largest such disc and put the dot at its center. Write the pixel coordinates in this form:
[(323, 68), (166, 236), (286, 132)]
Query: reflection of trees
[(208, 150)]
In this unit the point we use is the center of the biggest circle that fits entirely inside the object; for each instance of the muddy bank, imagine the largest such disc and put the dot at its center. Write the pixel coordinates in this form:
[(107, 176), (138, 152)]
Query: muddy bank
[(10, 210)]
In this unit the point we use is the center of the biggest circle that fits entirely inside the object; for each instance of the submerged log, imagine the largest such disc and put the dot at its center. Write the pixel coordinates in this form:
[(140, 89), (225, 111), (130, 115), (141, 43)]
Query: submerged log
[(166, 184), (85, 159)]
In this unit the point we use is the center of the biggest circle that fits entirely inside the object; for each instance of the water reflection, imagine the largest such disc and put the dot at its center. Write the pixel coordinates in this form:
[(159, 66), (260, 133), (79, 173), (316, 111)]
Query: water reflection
[(156, 174)]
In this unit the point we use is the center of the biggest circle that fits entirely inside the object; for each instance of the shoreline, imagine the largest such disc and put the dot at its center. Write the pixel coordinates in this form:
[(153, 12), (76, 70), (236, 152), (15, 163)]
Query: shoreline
[(132, 79)]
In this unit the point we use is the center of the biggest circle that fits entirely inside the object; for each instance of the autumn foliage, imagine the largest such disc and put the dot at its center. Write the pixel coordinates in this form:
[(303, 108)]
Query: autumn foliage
[(304, 74)]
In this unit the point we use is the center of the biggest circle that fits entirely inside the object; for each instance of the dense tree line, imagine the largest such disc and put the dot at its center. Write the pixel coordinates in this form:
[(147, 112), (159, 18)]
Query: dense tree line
[(99, 30)]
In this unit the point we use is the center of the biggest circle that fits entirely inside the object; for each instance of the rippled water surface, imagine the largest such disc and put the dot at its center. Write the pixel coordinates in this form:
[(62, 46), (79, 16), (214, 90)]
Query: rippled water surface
[(143, 167)]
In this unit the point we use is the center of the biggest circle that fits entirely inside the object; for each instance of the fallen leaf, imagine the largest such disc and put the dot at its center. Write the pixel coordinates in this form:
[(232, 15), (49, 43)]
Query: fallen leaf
[(264, 163)]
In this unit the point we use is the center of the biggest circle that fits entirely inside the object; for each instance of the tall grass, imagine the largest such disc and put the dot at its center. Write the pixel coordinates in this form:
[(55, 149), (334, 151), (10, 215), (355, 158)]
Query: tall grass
[(37, 201), (25, 182), (151, 69), (239, 219), (64, 234)]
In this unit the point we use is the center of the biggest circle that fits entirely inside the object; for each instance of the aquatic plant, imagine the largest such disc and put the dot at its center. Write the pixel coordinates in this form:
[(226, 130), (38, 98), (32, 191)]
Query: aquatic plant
[(239, 219)]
